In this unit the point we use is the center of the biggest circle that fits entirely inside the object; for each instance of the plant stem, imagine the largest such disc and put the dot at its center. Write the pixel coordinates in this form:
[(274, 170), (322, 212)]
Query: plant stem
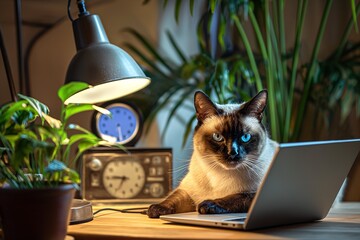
[(258, 35), (311, 71), (269, 66), (346, 34), (302, 5), (249, 52), (280, 85), (282, 36)]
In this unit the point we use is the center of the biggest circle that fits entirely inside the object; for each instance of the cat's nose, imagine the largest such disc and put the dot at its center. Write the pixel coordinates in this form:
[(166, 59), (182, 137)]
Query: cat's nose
[(234, 152)]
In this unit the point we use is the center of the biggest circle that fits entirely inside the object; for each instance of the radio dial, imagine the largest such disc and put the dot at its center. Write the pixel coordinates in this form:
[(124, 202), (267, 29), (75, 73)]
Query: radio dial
[(95, 164), (157, 190)]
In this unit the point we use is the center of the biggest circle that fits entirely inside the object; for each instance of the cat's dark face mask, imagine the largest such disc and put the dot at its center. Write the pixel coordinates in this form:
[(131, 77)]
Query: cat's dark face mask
[(232, 142), (231, 135)]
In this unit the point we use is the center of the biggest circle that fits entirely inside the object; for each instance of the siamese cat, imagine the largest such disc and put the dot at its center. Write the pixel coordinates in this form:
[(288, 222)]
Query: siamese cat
[(232, 152)]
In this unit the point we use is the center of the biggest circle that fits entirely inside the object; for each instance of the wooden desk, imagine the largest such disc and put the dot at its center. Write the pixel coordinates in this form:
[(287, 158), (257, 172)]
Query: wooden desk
[(343, 222)]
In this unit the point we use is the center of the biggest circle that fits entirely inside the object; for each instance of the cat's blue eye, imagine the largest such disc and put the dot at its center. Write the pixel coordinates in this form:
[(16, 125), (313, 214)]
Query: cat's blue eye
[(246, 137), (217, 137)]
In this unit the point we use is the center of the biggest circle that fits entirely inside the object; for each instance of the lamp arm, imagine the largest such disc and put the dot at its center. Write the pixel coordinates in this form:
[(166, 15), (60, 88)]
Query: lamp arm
[(69, 11), (7, 68)]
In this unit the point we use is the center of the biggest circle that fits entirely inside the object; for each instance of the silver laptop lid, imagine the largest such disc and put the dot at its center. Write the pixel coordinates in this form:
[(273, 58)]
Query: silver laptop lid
[(302, 182)]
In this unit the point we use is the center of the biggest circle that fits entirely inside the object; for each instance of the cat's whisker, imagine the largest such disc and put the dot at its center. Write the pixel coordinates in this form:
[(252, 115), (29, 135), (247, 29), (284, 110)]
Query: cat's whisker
[(253, 168), (223, 134), (181, 170), (246, 168)]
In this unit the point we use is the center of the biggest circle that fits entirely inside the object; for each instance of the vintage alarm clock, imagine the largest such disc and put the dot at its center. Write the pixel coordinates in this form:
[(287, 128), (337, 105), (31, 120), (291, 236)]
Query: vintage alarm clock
[(138, 175), (124, 126)]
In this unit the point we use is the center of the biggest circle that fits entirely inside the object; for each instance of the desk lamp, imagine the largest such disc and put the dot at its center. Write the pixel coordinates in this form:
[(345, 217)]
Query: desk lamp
[(109, 70)]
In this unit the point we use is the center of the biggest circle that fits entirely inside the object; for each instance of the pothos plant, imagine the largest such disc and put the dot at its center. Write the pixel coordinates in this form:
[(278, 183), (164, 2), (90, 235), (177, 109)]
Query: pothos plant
[(36, 150)]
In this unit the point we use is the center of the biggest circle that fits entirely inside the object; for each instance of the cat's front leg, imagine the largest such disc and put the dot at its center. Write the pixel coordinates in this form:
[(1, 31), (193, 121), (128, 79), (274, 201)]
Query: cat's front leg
[(177, 202), (235, 203)]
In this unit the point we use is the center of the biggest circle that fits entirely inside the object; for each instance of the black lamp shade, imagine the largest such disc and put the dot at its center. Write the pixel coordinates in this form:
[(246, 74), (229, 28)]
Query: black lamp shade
[(109, 70)]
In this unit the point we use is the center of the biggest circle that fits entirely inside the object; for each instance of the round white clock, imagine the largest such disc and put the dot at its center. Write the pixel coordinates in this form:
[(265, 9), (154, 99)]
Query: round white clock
[(123, 179)]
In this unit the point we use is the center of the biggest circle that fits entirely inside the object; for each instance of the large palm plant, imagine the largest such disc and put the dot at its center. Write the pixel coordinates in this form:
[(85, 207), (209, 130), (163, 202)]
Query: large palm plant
[(233, 68)]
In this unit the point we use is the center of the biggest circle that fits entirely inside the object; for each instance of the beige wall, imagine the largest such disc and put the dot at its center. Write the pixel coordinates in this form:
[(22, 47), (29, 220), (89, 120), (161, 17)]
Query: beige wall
[(52, 53)]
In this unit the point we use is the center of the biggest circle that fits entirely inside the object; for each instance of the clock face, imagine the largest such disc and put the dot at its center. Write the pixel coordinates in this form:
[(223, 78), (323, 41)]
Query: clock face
[(123, 126), (123, 178)]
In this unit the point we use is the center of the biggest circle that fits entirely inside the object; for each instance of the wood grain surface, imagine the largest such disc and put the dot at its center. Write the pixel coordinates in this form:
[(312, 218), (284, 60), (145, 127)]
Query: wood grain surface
[(343, 222)]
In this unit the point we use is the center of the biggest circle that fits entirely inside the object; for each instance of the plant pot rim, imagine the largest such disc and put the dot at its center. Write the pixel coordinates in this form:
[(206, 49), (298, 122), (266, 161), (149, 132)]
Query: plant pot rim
[(64, 186)]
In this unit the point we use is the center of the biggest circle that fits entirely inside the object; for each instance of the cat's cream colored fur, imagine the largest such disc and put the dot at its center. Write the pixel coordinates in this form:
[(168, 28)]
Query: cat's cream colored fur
[(208, 179), (225, 170)]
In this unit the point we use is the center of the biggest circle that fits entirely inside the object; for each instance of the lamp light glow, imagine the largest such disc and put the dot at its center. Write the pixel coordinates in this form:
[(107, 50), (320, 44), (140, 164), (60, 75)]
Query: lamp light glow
[(109, 70)]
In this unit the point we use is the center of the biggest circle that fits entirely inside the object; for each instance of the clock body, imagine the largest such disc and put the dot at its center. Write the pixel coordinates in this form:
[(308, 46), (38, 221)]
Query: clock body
[(137, 175), (123, 126)]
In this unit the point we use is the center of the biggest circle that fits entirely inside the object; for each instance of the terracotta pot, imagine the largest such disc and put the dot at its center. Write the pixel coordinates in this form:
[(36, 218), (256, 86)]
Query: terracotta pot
[(36, 213)]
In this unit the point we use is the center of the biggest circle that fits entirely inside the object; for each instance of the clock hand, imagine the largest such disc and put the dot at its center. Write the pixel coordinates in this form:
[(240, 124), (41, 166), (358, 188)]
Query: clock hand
[(122, 178), (119, 132)]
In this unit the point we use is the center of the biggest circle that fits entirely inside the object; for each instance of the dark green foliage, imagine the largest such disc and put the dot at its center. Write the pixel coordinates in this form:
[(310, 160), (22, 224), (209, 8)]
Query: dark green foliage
[(233, 69)]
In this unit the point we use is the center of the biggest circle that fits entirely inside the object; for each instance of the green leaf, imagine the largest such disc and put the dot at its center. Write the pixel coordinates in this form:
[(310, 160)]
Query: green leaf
[(150, 62), (336, 93), (354, 15), (26, 145), (191, 4), (213, 5), (177, 104), (79, 137), (74, 177), (39, 107), (165, 3), (8, 113), (70, 89), (177, 10), (176, 47), (188, 70), (150, 48), (165, 100), (73, 109), (346, 105), (79, 128), (56, 166), (85, 145), (201, 38), (222, 33)]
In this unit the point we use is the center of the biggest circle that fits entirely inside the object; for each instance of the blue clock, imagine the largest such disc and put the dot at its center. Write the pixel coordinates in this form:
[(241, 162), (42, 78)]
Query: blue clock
[(123, 126)]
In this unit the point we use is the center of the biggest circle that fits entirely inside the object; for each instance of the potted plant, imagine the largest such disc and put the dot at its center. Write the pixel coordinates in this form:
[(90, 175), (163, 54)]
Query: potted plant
[(231, 68), (37, 165)]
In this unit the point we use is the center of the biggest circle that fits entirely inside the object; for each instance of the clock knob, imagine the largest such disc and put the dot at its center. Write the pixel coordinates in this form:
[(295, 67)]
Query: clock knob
[(95, 164), (157, 190)]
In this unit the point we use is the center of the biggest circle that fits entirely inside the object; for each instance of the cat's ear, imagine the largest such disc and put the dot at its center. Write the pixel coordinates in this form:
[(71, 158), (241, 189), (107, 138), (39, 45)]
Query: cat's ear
[(256, 106), (204, 106)]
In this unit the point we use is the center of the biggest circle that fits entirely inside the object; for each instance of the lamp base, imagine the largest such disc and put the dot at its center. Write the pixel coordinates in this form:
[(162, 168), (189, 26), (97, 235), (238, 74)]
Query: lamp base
[(81, 211)]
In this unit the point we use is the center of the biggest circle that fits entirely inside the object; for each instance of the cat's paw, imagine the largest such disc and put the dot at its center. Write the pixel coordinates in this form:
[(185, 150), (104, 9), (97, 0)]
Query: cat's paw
[(211, 207), (155, 210)]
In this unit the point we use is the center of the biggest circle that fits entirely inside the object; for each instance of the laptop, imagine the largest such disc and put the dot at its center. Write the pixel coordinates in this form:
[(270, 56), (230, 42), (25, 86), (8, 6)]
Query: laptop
[(300, 186)]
